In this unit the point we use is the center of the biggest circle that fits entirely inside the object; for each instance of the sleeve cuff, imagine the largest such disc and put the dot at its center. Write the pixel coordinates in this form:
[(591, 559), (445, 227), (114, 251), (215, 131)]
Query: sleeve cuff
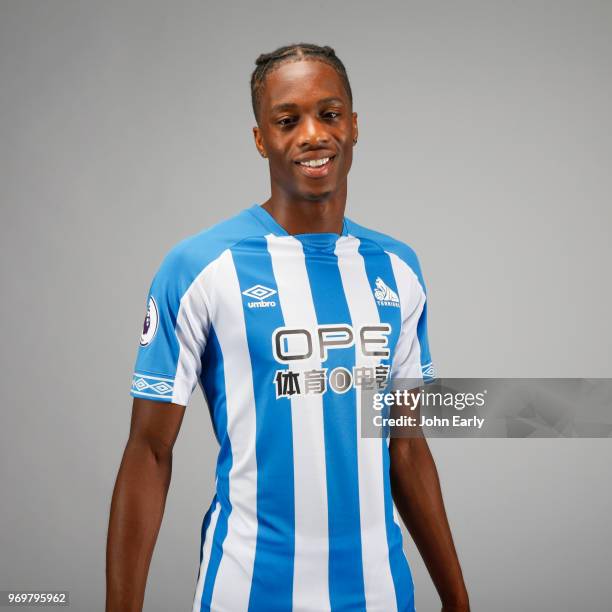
[(148, 386), (429, 372)]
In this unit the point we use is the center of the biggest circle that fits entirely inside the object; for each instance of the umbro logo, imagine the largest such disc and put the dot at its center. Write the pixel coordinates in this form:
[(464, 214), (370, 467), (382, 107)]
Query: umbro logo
[(385, 296), (260, 293)]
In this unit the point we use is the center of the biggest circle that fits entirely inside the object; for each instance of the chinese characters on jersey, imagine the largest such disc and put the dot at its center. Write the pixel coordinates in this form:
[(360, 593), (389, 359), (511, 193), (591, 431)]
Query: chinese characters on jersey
[(318, 381)]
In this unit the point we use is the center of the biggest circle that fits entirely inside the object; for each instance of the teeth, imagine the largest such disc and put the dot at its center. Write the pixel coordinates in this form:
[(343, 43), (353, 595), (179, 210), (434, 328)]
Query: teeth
[(313, 163)]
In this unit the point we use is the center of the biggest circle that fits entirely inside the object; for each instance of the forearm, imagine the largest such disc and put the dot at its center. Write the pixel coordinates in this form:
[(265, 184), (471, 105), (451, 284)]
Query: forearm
[(136, 512), (418, 497)]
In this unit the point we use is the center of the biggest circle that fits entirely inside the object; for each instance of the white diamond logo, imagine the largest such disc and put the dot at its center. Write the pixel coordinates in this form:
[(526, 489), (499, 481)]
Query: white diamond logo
[(140, 384), (161, 387), (259, 292)]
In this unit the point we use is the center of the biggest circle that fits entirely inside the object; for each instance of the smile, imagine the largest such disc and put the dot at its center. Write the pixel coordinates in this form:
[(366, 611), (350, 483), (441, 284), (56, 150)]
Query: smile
[(315, 163), (316, 168)]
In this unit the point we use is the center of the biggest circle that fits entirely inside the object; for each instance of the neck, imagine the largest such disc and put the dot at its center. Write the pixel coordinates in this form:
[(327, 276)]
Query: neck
[(298, 215)]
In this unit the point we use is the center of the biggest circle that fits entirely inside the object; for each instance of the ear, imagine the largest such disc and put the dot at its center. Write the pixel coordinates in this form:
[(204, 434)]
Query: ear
[(259, 141), (355, 129)]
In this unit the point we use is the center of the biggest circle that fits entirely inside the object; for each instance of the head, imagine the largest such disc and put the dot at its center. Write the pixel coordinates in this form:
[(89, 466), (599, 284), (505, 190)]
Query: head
[(303, 106)]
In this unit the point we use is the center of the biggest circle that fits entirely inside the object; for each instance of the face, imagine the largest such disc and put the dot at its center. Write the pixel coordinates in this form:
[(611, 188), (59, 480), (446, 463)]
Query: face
[(306, 129)]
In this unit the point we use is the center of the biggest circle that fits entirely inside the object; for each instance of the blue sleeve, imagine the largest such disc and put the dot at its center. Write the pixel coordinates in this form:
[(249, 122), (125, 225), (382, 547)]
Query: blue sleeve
[(173, 337)]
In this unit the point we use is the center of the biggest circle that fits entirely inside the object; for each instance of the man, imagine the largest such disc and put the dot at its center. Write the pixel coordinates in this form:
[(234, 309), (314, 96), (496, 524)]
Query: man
[(285, 313)]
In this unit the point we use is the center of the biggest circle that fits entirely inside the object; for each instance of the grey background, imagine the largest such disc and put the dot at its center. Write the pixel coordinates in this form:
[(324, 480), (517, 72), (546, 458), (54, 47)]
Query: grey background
[(485, 143)]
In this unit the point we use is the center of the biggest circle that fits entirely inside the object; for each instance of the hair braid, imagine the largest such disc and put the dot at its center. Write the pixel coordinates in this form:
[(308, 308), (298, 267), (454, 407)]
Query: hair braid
[(268, 62)]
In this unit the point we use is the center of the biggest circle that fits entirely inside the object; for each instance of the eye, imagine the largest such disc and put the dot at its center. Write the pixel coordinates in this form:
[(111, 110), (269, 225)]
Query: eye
[(331, 115), (285, 121)]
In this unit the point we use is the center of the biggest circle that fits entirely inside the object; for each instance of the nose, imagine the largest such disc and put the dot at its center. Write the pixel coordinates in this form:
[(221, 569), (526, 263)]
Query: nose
[(312, 133)]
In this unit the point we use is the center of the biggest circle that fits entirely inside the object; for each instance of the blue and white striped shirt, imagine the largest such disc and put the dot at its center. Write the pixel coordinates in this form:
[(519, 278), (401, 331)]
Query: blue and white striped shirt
[(281, 331)]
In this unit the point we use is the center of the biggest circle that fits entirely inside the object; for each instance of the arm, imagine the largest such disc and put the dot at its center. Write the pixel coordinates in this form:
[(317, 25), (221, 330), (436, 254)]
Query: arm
[(138, 502), (416, 491)]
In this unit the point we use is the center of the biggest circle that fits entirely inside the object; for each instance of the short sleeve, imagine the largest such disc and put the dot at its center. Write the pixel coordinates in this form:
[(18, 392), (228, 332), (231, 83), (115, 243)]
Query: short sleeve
[(412, 358), (174, 332)]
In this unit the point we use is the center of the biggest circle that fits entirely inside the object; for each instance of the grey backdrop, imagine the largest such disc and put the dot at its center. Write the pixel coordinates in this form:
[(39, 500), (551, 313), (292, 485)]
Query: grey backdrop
[(485, 142)]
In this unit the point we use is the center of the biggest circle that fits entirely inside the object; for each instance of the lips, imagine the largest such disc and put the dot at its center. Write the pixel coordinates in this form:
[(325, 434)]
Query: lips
[(319, 170)]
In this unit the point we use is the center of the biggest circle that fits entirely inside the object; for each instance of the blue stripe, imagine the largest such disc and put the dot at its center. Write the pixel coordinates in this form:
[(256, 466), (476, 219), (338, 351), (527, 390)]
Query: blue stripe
[(346, 586), (205, 524), (213, 383), (175, 275), (378, 264), (400, 570), (274, 553), (408, 256)]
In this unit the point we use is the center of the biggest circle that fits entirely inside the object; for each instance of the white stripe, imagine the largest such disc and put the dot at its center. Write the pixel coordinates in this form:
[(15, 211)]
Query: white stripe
[(233, 582), (206, 550), (377, 577), (310, 573), (192, 324), (158, 395), (407, 359), (152, 377)]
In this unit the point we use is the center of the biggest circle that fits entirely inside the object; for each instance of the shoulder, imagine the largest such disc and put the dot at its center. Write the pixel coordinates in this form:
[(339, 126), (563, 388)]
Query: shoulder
[(394, 247), (192, 255)]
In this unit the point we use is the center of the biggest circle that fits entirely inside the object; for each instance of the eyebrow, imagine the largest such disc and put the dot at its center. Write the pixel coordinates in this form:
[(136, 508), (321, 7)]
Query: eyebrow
[(285, 106)]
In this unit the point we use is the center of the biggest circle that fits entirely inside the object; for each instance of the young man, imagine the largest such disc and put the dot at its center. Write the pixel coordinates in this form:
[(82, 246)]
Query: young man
[(284, 313)]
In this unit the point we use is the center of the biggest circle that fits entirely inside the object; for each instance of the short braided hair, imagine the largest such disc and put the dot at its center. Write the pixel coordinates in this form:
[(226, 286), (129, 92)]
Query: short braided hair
[(267, 62)]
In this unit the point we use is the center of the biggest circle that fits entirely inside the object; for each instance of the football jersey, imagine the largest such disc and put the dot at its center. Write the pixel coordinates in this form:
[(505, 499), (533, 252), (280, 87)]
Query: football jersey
[(283, 332)]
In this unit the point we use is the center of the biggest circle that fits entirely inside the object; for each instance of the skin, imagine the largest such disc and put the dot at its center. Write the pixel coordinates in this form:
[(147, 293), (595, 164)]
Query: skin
[(416, 491), (304, 112), (138, 502)]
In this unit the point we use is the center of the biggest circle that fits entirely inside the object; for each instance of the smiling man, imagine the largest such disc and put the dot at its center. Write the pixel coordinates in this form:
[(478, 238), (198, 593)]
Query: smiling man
[(285, 314)]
